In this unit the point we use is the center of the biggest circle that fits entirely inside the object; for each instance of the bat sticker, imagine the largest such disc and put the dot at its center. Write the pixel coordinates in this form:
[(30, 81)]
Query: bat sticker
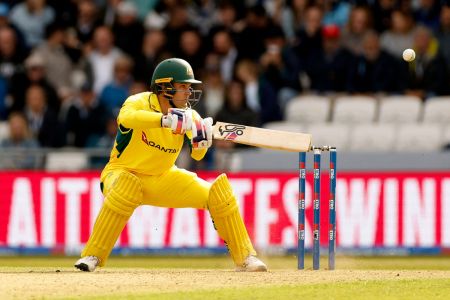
[(231, 131)]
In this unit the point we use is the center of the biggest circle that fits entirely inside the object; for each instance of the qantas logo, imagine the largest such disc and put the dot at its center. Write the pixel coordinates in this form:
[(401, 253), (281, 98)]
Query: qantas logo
[(231, 131), (157, 146)]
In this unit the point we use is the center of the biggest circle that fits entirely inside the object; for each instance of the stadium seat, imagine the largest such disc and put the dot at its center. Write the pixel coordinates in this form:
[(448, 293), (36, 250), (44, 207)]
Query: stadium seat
[(373, 138), (284, 126), (400, 109), (66, 161), (307, 109), (228, 160), (446, 137), (419, 138), (354, 109), (4, 130), (437, 110), (330, 135)]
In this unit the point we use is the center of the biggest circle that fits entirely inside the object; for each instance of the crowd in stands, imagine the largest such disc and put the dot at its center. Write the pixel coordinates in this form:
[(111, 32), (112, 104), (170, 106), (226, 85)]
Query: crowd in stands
[(66, 66)]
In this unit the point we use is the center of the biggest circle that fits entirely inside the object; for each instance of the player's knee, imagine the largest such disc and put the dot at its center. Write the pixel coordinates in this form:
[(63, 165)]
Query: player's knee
[(125, 194), (221, 200)]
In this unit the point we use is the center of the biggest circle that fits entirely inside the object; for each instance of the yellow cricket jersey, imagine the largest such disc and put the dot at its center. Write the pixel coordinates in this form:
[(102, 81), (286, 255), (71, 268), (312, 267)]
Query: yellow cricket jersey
[(142, 145)]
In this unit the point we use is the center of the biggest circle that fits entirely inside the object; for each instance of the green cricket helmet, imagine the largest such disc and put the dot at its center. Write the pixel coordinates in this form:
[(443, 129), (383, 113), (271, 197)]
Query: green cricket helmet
[(174, 70)]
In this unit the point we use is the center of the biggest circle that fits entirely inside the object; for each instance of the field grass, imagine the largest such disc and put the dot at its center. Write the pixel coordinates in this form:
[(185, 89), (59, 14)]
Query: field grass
[(224, 262), (411, 289), (149, 277)]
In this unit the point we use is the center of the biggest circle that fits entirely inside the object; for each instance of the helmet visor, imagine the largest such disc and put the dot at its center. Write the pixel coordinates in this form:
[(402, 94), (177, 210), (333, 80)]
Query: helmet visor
[(194, 97)]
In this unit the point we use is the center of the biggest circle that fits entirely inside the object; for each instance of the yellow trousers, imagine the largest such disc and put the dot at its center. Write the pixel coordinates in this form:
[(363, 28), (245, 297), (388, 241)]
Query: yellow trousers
[(175, 188)]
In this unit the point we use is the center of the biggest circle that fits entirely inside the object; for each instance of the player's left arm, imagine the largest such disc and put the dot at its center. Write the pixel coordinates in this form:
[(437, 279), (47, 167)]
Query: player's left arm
[(200, 138)]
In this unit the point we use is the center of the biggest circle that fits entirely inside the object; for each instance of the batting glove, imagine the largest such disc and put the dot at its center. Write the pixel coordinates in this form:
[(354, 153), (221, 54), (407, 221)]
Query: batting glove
[(179, 120), (202, 133)]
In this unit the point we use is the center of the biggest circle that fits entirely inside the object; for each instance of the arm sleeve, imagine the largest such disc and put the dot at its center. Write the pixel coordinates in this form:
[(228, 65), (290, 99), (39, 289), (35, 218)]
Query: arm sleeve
[(132, 115), (198, 154)]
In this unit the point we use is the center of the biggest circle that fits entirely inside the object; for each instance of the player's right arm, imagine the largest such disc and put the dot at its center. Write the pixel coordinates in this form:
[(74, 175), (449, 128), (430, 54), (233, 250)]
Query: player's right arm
[(179, 120), (135, 114)]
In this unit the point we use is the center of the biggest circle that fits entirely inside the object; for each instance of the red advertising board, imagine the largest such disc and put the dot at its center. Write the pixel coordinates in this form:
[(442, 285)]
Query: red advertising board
[(387, 210)]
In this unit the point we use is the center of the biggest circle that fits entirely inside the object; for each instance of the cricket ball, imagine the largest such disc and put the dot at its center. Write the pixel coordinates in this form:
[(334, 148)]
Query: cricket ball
[(409, 55)]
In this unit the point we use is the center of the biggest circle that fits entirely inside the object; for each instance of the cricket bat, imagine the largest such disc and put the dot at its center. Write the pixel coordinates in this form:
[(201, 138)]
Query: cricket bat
[(264, 138)]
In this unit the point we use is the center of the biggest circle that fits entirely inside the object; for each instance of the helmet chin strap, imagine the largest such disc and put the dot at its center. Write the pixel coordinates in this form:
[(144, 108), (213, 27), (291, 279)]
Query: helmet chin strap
[(169, 94), (169, 98)]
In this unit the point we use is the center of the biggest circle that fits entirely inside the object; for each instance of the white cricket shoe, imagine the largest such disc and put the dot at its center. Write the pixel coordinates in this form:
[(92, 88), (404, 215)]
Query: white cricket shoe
[(252, 264), (87, 263)]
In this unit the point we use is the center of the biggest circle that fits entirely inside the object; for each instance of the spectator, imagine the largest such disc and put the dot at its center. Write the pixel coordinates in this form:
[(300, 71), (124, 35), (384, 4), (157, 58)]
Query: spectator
[(401, 34), (137, 87), (444, 34), (11, 55), (213, 86), (42, 119), (4, 12), (360, 22), (250, 40), (335, 12), (224, 47), (427, 74), (73, 48), (108, 13), (86, 118), (152, 52), (329, 68), (427, 14), (291, 18), (19, 142), (159, 17), (31, 17), (33, 74), (280, 76), (178, 22), (87, 20), (382, 14), (143, 7), (203, 15), (57, 63), (374, 71), (65, 11), (190, 48), (106, 140), (239, 41), (115, 92), (235, 110), (309, 38), (247, 72), (3, 99), (128, 30), (407, 5), (102, 59), (4, 15), (225, 19), (5, 22)]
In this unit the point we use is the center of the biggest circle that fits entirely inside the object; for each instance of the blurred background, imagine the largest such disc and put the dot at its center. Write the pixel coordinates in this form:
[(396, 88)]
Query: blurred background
[(330, 68)]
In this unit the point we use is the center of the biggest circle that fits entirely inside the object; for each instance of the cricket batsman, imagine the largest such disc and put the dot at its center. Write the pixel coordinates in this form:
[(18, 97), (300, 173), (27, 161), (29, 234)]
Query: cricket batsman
[(152, 127)]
